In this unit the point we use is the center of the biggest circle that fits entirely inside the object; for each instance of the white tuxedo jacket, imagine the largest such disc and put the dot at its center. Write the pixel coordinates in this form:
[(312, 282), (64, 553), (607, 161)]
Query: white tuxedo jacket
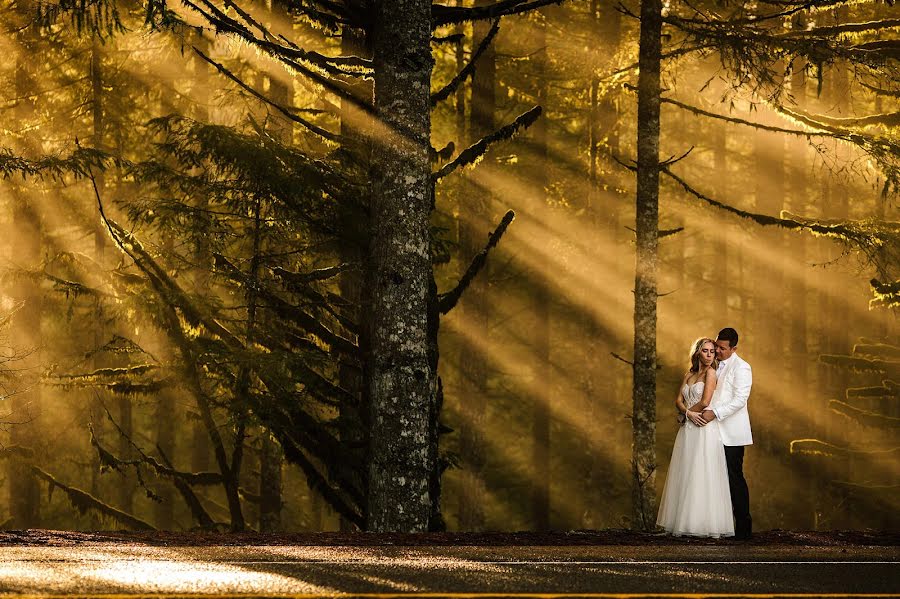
[(730, 404)]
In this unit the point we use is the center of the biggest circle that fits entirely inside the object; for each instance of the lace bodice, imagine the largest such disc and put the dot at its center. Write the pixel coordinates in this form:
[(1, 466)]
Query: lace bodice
[(692, 393)]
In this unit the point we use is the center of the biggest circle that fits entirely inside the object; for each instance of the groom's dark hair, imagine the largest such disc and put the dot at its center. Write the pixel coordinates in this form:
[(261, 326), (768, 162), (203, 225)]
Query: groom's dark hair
[(730, 335)]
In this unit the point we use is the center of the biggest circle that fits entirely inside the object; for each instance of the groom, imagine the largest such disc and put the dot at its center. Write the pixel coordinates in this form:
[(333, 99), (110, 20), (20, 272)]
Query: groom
[(735, 380)]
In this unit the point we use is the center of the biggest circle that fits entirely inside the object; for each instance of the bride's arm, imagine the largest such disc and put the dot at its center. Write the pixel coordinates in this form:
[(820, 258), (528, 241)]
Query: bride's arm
[(693, 416), (709, 386), (679, 398)]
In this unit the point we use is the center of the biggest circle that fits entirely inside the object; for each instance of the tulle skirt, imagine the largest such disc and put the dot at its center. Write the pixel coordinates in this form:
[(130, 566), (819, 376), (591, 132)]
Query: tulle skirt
[(696, 499)]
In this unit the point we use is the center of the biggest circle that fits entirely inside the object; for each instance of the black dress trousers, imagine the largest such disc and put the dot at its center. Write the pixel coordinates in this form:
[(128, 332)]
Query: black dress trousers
[(740, 494)]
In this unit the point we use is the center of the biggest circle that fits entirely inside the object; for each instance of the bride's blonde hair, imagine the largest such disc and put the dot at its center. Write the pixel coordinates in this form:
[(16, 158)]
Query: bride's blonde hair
[(695, 354)]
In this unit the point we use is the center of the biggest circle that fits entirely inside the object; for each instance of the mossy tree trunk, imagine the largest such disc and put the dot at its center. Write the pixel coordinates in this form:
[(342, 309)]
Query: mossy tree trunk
[(643, 458), (403, 383)]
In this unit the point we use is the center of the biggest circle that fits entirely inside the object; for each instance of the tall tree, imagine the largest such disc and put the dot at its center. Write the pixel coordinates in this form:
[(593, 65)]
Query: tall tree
[(643, 458), (403, 384)]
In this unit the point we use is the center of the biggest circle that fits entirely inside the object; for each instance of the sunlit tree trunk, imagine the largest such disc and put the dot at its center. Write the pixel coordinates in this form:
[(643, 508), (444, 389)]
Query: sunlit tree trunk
[(403, 383), (200, 442), (475, 211), (643, 460), (27, 235), (541, 414)]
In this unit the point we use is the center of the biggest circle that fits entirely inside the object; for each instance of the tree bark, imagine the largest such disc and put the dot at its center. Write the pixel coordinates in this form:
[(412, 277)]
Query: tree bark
[(643, 460), (403, 384)]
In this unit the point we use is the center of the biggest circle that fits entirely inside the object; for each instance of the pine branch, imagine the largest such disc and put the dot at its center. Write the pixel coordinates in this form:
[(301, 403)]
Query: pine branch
[(222, 21), (293, 280), (872, 120), (111, 461), (288, 310), (887, 389), (864, 417), (834, 30), (84, 502), (270, 44), (817, 447), (442, 14), (870, 486), (893, 93), (469, 68), (317, 482), (885, 49), (198, 512), (448, 301), (290, 114), (877, 350), (326, 63), (738, 121), (886, 294), (853, 232), (857, 364), (474, 153)]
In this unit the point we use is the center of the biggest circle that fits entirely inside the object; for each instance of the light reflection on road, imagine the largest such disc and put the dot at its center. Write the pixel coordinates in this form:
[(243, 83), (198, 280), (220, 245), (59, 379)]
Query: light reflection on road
[(103, 571), (334, 571)]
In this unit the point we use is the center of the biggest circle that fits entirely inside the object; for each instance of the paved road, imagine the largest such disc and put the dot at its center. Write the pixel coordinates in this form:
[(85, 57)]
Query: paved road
[(123, 570)]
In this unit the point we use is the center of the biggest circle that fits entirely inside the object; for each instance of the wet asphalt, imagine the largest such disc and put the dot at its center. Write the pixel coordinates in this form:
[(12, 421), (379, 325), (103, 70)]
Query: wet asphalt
[(141, 571)]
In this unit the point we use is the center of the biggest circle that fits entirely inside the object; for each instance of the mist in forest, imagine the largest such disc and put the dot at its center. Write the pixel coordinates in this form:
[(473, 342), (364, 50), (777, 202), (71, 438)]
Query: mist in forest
[(129, 402)]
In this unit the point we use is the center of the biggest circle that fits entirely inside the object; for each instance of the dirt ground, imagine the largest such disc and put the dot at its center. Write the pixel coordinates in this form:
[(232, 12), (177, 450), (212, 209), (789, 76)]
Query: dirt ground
[(57, 538)]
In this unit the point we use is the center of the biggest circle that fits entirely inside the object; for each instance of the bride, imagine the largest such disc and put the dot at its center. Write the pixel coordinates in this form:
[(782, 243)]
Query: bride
[(696, 499)]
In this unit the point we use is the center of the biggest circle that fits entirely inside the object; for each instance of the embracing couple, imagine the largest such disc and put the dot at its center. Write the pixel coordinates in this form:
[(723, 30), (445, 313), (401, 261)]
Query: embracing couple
[(705, 493)]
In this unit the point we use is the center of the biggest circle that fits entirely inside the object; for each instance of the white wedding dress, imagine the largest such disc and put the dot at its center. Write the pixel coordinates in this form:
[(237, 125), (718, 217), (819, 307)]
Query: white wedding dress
[(696, 500)]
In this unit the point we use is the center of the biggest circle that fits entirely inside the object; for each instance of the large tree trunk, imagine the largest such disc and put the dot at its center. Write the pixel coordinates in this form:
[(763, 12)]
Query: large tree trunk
[(643, 457), (475, 310), (403, 383)]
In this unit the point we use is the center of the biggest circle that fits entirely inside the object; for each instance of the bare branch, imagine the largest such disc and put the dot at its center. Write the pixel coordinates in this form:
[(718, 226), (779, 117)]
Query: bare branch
[(442, 14), (448, 300), (467, 70), (474, 152)]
